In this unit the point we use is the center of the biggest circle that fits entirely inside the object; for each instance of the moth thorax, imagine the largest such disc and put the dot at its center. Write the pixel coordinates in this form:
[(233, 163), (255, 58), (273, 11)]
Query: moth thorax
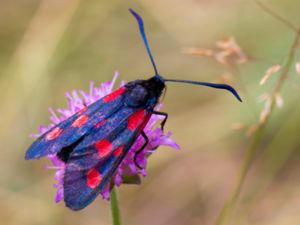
[(137, 96)]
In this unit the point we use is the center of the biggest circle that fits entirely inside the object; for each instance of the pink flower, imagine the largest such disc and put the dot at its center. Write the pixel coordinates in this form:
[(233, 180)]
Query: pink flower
[(127, 169)]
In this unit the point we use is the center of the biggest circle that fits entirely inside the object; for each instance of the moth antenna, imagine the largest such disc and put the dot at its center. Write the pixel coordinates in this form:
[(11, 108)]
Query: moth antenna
[(213, 85), (144, 37)]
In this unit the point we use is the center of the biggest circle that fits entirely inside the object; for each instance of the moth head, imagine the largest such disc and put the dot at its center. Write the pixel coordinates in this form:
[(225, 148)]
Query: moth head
[(143, 93)]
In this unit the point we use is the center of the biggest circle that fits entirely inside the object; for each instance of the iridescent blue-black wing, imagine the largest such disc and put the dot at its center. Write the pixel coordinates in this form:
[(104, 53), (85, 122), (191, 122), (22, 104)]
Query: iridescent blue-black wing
[(95, 159), (72, 129)]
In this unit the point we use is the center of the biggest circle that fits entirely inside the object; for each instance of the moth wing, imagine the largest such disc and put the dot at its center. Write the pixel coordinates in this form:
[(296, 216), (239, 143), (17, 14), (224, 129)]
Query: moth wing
[(72, 129), (91, 167)]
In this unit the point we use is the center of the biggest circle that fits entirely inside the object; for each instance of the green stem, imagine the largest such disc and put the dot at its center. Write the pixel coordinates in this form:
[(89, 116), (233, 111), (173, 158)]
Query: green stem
[(252, 150), (114, 205), (231, 201)]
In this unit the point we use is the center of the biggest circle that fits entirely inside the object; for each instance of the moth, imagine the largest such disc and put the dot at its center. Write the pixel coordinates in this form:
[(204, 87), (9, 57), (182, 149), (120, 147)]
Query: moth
[(94, 141)]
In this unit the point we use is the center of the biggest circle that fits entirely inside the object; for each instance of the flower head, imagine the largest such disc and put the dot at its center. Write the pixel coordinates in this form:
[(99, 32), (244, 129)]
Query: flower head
[(77, 100)]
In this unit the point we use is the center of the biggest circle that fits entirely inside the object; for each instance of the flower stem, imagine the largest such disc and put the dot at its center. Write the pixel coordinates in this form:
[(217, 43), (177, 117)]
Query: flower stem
[(228, 208), (114, 205)]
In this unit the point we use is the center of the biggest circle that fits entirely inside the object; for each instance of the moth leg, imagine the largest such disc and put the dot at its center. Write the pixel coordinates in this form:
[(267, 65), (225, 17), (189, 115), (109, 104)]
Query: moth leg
[(141, 149), (164, 120)]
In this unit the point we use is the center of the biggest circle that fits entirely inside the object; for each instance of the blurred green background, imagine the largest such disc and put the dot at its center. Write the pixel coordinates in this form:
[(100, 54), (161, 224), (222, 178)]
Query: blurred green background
[(50, 47)]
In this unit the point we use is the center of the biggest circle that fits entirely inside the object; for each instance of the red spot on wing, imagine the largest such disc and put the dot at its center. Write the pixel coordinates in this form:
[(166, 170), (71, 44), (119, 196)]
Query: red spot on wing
[(136, 119), (83, 110), (144, 123), (104, 147), (100, 123), (114, 95), (93, 178), (118, 151), (80, 121), (53, 134)]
